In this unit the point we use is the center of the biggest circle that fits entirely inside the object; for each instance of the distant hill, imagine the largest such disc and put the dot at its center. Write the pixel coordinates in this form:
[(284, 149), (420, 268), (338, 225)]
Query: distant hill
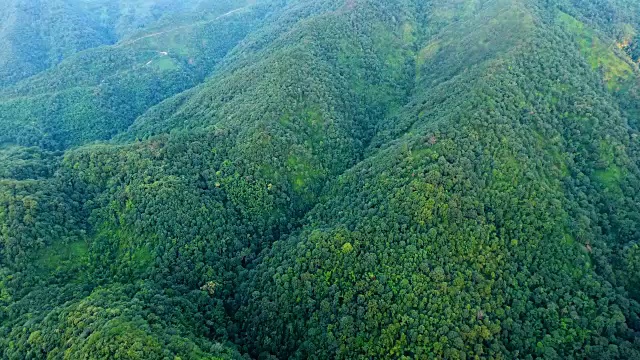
[(98, 92), (37, 34)]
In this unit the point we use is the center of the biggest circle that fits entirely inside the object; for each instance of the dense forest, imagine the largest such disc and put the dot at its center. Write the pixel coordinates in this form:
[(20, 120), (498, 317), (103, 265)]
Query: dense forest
[(320, 179)]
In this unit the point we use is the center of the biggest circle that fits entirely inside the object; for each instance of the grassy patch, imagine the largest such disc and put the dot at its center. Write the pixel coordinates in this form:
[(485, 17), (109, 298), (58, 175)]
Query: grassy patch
[(303, 173), (427, 53), (600, 55), (165, 63), (390, 46), (408, 33), (63, 256), (448, 10), (611, 174), (610, 177)]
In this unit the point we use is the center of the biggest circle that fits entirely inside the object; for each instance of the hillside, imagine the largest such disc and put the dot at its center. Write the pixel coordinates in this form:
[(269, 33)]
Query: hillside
[(322, 179), (37, 34)]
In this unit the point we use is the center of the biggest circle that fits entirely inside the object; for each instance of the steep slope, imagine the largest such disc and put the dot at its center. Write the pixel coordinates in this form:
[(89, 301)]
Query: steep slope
[(37, 35), (99, 92), (329, 179), (235, 172), (479, 223), (195, 207)]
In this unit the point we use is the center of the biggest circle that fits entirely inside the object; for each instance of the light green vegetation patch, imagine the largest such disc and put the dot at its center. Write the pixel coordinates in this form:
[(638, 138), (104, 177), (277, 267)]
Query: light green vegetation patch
[(252, 196), (63, 256), (303, 172), (165, 63), (427, 53), (611, 175), (599, 54), (171, 41), (408, 32), (448, 10)]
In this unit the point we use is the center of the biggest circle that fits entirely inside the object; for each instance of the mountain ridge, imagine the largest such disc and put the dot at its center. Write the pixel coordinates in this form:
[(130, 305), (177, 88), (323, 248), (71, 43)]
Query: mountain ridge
[(353, 179)]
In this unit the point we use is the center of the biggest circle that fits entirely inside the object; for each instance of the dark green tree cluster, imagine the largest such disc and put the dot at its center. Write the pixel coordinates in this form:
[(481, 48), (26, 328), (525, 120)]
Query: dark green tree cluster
[(134, 321)]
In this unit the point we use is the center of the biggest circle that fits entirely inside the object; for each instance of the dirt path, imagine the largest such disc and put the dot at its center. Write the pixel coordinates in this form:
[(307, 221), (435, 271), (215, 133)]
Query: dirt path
[(177, 28)]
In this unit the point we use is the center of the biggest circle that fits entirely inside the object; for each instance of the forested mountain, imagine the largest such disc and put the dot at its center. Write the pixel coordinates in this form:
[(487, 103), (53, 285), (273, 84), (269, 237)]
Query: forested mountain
[(353, 179), (38, 34)]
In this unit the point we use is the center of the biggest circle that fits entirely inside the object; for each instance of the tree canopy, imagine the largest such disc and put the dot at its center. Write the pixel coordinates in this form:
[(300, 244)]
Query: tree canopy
[(351, 179)]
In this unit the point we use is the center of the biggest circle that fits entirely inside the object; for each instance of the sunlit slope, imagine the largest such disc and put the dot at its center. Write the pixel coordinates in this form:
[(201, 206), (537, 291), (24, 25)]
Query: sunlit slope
[(476, 225), (341, 179)]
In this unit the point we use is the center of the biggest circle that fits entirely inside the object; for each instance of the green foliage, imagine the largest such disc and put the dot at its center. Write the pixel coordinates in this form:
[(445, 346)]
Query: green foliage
[(120, 321), (39, 34), (319, 179), (99, 92), (616, 70), (22, 163)]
